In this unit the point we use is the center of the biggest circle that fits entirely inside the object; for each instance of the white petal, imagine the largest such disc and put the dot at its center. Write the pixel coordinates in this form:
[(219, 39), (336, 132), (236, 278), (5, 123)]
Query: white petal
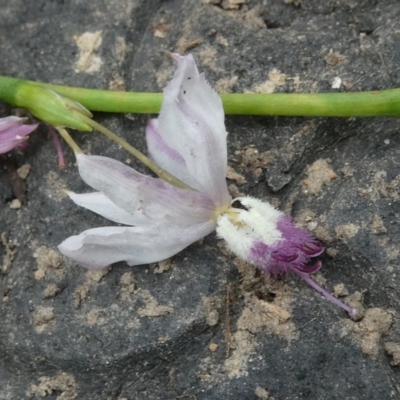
[(191, 122), (102, 205), (99, 247), (166, 157), (134, 192)]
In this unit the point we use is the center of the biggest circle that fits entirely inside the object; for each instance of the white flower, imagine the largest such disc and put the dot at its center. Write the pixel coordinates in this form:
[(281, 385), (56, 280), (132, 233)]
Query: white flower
[(188, 140)]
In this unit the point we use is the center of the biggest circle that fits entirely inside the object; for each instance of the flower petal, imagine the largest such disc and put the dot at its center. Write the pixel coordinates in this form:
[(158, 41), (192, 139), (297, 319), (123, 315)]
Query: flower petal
[(9, 122), (166, 157), (102, 205), (12, 132), (191, 122), (134, 192), (96, 248)]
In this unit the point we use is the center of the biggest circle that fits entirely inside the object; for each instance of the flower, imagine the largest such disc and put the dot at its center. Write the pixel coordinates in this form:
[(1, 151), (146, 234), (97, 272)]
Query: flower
[(268, 239), (13, 132), (188, 140)]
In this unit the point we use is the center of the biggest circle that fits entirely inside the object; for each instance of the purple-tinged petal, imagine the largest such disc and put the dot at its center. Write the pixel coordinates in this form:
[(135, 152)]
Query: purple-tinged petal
[(309, 268), (135, 192), (102, 205), (297, 236), (287, 258), (313, 249), (282, 257), (191, 122), (12, 133), (96, 248), (8, 122), (270, 260), (166, 157)]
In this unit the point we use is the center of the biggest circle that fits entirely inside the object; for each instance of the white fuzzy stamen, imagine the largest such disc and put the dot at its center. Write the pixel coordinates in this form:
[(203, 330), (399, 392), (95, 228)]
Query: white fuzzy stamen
[(241, 228)]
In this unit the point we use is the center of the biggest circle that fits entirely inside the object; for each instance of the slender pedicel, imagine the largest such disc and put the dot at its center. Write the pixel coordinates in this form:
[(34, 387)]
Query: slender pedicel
[(164, 175), (57, 143), (71, 142), (351, 311)]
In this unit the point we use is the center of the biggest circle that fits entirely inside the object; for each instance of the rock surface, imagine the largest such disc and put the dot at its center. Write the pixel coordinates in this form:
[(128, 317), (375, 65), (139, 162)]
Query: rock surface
[(207, 326)]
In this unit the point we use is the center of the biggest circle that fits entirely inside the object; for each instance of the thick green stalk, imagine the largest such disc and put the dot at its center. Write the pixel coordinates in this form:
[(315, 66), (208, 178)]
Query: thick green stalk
[(357, 104), (111, 101)]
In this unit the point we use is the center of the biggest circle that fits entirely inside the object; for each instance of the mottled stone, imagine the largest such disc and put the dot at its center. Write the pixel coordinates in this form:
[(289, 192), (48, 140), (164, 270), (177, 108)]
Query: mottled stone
[(131, 333)]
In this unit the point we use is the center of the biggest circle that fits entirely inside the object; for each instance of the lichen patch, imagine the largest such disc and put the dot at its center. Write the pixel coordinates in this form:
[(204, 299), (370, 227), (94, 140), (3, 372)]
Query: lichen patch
[(120, 49), (225, 85), (393, 350), (42, 318), (250, 159), (55, 186), (346, 231), (9, 253), (88, 43), (334, 58), (152, 307), (208, 55), (377, 225), (64, 383), (212, 305), (370, 330), (319, 174), (380, 188), (392, 249), (184, 45), (92, 279), (162, 266), (243, 343), (49, 261), (262, 394), (128, 284), (51, 290), (275, 80), (233, 175), (259, 314)]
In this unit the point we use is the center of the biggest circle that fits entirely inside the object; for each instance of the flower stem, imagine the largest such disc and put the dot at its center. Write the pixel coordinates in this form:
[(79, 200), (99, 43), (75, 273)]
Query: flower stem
[(354, 104), (163, 174), (351, 311), (71, 142), (57, 143)]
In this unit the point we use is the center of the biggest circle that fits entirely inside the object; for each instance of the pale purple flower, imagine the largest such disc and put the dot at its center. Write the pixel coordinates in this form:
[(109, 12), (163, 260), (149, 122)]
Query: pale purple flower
[(189, 141), (13, 132)]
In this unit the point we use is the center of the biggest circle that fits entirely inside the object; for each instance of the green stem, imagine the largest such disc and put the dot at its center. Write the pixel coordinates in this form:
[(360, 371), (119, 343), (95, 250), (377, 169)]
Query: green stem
[(111, 101), (71, 142), (355, 104)]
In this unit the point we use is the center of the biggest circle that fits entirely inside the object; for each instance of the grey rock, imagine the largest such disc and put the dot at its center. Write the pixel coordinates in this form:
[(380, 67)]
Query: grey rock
[(132, 333)]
